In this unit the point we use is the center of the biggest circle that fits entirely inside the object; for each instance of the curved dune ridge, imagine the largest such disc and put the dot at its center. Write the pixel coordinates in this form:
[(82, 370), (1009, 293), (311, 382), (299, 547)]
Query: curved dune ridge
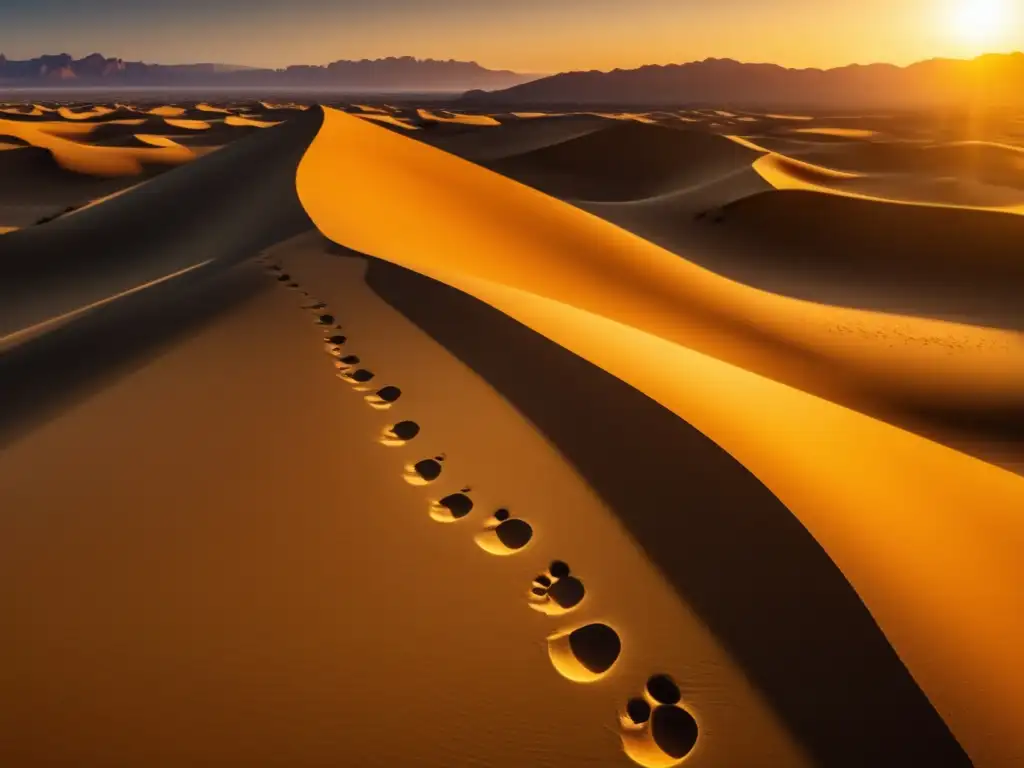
[(387, 119), (239, 120), (826, 406), (947, 191), (76, 250), (626, 160), (68, 156), (96, 160), (931, 561), (452, 117)]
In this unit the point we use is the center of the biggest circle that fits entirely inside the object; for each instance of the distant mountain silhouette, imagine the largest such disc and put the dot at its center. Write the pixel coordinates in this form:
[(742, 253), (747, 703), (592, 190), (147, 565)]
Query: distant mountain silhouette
[(390, 74), (994, 79)]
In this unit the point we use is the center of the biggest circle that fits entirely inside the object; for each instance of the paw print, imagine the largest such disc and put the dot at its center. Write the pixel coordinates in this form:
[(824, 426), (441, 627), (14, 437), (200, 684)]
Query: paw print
[(556, 592), (656, 731), (585, 654), (399, 434), (357, 377), (346, 363), (334, 343), (424, 472), (384, 398), (452, 507), (504, 534)]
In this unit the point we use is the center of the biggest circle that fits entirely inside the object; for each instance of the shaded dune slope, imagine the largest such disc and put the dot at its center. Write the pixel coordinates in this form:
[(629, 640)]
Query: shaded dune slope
[(728, 546), (31, 176), (514, 137), (971, 251), (626, 160), (949, 263), (238, 200), (749, 370)]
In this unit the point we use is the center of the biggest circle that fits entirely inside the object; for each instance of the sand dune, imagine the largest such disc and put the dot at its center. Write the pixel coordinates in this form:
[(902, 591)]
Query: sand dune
[(792, 519), (96, 160), (637, 160), (452, 117), (72, 262), (386, 119), (516, 137), (238, 120), (80, 160), (580, 282)]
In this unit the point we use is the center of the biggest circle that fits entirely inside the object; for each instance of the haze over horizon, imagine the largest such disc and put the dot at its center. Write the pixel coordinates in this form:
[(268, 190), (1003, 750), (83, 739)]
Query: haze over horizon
[(526, 36)]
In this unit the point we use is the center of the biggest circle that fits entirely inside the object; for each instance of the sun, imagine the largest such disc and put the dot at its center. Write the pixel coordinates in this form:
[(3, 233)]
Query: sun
[(979, 21)]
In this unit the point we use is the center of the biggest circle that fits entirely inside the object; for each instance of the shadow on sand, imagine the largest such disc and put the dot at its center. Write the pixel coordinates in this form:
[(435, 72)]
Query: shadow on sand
[(731, 549), (45, 375)]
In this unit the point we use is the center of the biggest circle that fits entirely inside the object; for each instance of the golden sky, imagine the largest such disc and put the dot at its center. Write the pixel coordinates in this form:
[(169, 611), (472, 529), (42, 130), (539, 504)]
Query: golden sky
[(526, 35)]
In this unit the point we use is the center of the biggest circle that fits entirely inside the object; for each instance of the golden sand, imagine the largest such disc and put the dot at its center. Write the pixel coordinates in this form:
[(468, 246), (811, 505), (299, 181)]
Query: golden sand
[(920, 554)]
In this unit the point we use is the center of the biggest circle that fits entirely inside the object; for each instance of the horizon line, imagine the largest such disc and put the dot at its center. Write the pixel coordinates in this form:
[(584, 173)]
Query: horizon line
[(491, 68)]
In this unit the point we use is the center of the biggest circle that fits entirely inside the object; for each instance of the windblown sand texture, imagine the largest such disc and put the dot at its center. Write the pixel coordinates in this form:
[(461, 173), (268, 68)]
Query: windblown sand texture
[(406, 435)]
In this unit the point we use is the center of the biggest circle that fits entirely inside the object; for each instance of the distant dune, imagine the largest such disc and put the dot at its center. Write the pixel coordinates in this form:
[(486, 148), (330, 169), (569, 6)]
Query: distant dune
[(992, 79)]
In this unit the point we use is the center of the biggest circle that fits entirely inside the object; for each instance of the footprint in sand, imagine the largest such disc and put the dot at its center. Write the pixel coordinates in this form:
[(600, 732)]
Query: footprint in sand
[(325, 319), (452, 507), (585, 654), (284, 278), (504, 534), (656, 731), (399, 434), (333, 344), (384, 398), (315, 306), (424, 472), (557, 591), (347, 364), (357, 378)]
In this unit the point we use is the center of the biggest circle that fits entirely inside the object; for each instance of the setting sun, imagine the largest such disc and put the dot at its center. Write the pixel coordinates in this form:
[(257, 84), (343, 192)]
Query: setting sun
[(979, 21)]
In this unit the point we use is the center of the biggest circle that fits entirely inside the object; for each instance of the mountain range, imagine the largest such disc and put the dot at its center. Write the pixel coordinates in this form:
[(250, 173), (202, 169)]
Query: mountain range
[(996, 79), (390, 74)]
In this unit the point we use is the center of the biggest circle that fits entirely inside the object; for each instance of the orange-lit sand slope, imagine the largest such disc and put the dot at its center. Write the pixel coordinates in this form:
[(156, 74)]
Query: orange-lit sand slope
[(764, 376), (247, 631), (721, 465)]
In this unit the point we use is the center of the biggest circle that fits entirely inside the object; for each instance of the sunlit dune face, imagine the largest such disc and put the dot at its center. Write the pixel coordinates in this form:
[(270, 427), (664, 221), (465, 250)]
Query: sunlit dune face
[(979, 22)]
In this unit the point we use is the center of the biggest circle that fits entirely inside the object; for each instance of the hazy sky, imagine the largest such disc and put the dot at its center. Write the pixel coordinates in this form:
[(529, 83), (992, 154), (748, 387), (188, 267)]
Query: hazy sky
[(527, 35)]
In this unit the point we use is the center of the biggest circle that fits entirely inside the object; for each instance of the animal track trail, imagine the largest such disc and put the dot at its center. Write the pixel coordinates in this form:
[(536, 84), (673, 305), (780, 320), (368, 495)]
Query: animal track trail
[(585, 654), (399, 434), (656, 731), (556, 592), (504, 534)]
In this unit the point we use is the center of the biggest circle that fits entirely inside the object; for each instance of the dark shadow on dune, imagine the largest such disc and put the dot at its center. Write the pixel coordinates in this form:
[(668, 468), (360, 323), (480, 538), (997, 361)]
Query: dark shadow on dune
[(226, 206), (730, 548), (48, 374), (943, 263), (625, 160)]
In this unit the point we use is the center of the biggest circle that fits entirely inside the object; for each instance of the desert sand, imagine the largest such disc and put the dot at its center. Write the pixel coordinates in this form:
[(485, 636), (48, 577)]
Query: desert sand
[(377, 434)]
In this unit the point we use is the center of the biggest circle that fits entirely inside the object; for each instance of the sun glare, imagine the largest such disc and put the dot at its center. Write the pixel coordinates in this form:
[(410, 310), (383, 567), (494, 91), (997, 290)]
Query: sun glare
[(979, 21)]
